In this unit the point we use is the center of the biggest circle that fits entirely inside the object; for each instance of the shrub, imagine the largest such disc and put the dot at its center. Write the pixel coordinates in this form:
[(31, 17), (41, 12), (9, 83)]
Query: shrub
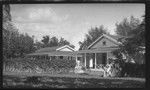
[(27, 64), (115, 66), (63, 63), (18, 64), (122, 68), (134, 70)]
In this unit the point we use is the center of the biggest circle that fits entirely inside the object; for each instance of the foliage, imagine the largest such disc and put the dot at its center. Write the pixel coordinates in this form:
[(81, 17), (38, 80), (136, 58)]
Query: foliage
[(48, 41), (92, 35), (138, 70), (14, 43), (126, 26), (122, 69), (27, 64), (45, 40), (113, 68), (62, 42), (134, 43), (63, 63)]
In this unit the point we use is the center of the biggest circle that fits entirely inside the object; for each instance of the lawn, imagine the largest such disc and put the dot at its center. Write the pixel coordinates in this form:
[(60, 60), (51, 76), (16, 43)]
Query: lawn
[(24, 80)]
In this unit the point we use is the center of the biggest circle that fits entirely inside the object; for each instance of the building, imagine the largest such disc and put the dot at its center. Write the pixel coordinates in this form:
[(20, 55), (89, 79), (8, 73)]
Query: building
[(58, 52), (99, 52)]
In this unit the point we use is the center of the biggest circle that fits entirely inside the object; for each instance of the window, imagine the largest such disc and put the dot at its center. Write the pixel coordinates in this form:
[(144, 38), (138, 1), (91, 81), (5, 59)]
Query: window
[(104, 43)]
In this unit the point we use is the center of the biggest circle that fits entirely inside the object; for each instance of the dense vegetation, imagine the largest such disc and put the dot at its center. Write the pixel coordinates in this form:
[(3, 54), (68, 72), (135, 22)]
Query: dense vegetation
[(39, 66), (126, 69)]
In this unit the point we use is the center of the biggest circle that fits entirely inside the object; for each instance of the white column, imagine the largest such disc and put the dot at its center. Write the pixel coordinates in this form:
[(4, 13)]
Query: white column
[(107, 58), (85, 59), (95, 60)]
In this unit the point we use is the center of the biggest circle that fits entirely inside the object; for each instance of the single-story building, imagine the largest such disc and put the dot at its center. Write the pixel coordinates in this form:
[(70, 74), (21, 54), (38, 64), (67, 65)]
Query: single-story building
[(96, 55), (58, 52)]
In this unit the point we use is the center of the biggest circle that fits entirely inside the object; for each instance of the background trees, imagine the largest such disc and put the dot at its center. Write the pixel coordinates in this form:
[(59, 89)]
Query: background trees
[(133, 45), (14, 43), (48, 41), (124, 27)]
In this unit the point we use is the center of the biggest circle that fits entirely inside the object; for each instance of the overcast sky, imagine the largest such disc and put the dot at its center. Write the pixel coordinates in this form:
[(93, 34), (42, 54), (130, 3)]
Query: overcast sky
[(70, 21)]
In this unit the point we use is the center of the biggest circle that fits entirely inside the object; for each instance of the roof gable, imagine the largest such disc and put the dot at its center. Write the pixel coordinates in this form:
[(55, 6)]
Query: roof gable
[(101, 38), (65, 48)]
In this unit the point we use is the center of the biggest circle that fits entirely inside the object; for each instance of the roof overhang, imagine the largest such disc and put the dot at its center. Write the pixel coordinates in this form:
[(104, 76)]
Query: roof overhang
[(56, 53)]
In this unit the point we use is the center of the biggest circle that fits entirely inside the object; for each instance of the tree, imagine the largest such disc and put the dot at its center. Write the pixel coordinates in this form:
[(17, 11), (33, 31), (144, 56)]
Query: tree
[(92, 35), (38, 45), (14, 43), (9, 31), (63, 42), (54, 41), (134, 42), (124, 27), (51, 42), (25, 44), (45, 40)]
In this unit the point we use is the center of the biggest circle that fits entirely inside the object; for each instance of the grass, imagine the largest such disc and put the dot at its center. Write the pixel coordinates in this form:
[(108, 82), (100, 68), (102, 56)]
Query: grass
[(24, 80)]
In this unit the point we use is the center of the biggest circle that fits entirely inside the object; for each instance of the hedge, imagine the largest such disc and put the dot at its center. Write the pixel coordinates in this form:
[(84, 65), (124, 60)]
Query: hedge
[(134, 70), (27, 64), (127, 69)]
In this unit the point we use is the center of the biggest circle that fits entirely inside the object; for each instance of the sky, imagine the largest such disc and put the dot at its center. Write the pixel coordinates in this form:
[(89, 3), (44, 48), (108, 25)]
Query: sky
[(70, 21)]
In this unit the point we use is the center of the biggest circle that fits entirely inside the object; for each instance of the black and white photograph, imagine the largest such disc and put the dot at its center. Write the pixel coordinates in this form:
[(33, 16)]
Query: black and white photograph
[(75, 0), (97, 45)]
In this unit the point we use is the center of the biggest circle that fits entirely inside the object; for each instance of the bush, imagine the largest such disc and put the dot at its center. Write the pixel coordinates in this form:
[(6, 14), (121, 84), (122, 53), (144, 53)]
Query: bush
[(18, 64), (27, 64), (134, 70), (121, 68), (115, 66), (63, 63)]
